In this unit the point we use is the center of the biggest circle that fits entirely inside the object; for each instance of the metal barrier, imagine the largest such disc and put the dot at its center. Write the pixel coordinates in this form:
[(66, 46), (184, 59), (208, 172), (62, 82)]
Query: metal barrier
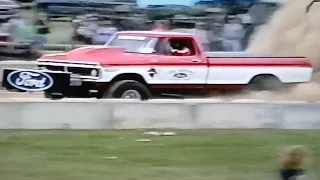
[(46, 47), (176, 114)]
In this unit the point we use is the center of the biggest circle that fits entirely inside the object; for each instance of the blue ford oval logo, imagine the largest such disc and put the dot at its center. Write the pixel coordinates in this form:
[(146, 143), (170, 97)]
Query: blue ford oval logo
[(30, 80), (180, 75)]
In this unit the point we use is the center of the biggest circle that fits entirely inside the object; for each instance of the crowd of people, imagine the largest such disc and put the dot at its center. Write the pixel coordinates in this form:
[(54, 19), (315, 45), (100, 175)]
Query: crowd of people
[(231, 34)]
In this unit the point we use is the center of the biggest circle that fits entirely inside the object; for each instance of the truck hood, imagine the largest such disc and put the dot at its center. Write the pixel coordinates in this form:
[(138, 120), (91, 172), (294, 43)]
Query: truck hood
[(97, 54)]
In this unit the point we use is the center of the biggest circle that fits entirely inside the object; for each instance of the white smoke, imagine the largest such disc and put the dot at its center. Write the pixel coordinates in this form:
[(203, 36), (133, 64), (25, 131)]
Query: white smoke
[(293, 32)]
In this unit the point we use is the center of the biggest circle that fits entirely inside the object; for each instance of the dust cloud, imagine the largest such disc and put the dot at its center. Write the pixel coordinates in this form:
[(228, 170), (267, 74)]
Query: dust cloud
[(293, 30), (302, 92)]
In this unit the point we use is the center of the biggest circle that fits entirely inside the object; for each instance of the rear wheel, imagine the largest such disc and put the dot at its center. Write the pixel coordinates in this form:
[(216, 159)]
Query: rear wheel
[(128, 89), (265, 83)]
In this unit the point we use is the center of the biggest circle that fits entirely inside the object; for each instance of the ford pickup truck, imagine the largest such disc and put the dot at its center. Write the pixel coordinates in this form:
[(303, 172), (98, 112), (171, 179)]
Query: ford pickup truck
[(133, 65)]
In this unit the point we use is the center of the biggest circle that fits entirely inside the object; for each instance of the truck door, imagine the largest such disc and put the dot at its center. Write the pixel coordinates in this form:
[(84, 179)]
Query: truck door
[(184, 71)]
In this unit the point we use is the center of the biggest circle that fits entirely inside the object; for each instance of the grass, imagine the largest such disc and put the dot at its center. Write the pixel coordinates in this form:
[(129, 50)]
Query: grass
[(103, 155)]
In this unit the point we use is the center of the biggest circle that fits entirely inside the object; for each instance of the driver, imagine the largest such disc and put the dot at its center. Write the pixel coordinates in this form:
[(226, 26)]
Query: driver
[(180, 49), (174, 48)]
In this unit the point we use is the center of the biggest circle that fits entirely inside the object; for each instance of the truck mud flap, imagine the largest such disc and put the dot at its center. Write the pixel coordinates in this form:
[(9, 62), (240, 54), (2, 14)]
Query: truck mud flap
[(28, 80)]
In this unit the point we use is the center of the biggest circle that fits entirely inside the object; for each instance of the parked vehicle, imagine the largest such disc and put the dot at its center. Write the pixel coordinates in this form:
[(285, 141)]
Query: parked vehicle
[(92, 30), (17, 39), (25, 1), (71, 8), (8, 9), (146, 64)]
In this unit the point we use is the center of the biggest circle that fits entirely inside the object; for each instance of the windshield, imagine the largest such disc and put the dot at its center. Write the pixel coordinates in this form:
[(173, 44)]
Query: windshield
[(134, 44)]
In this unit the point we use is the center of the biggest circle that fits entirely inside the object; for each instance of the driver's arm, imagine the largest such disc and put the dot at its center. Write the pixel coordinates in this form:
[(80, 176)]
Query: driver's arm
[(184, 50)]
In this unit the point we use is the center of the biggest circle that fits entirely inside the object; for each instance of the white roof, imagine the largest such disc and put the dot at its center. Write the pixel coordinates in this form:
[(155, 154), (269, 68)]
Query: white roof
[(219, 54), (158, 32)]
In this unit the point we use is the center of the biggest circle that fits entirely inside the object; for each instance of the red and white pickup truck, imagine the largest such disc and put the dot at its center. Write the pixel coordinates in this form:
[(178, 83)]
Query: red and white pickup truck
[(133, 65)]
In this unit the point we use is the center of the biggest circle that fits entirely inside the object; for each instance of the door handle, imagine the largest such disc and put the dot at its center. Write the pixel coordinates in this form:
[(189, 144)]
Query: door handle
[(195, 60)]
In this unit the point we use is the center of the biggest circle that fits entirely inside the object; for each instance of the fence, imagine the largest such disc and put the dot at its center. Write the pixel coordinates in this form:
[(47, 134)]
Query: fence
[(46, 47), (177, 114)]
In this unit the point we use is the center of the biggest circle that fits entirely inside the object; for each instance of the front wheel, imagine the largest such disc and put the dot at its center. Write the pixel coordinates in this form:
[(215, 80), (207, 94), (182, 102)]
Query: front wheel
[(128, 89)]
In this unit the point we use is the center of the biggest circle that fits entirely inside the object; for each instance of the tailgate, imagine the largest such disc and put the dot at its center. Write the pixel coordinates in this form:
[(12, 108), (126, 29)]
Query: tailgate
[(27, 80)]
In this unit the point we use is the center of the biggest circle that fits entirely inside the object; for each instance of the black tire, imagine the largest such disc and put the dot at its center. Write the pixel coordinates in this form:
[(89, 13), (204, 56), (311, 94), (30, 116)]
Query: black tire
[(119, 88), (265, 83)]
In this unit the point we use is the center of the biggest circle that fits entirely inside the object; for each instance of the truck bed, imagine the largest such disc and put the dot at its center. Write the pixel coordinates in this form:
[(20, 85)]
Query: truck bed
[(221, 54)]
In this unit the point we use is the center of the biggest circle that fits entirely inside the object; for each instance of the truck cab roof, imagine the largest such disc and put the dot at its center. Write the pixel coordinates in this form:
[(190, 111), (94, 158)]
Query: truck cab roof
[(158, 34)]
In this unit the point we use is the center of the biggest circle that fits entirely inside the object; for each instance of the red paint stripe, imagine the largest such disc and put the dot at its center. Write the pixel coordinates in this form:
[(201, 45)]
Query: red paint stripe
[(259, 65), (215, 65), (266, 62), (152, 64), (199, 86), (221, 64)]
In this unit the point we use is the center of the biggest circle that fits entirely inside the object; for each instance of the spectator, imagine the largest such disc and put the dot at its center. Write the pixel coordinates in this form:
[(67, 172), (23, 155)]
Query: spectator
[(87, 28), (233, 34), (14, 24), (161, 25), (215, 37), (41, 24), (259, 13), (248, 29), (76, 24), (163, 47), (104, 32), (21, 30), (202, 34), (292, 161)]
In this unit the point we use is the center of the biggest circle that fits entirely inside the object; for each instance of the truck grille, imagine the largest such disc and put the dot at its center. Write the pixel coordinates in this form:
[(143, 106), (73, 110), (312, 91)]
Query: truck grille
[(53, 68), (81, 71)]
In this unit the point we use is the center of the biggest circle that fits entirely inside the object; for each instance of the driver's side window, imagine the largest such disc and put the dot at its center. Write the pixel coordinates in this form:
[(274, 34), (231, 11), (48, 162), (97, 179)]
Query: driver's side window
[(163, 47), (175, 47)]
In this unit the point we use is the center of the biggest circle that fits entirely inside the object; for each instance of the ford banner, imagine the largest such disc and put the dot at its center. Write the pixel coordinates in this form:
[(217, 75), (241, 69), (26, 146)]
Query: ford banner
[(27, 80)]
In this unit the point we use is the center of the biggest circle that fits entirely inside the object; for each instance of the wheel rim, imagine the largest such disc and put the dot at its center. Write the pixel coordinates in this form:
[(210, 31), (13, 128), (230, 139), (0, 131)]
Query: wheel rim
[(131, 94)]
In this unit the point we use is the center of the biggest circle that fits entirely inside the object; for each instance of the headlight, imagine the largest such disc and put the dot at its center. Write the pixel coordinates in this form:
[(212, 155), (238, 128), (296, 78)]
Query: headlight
[(94, 72)]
